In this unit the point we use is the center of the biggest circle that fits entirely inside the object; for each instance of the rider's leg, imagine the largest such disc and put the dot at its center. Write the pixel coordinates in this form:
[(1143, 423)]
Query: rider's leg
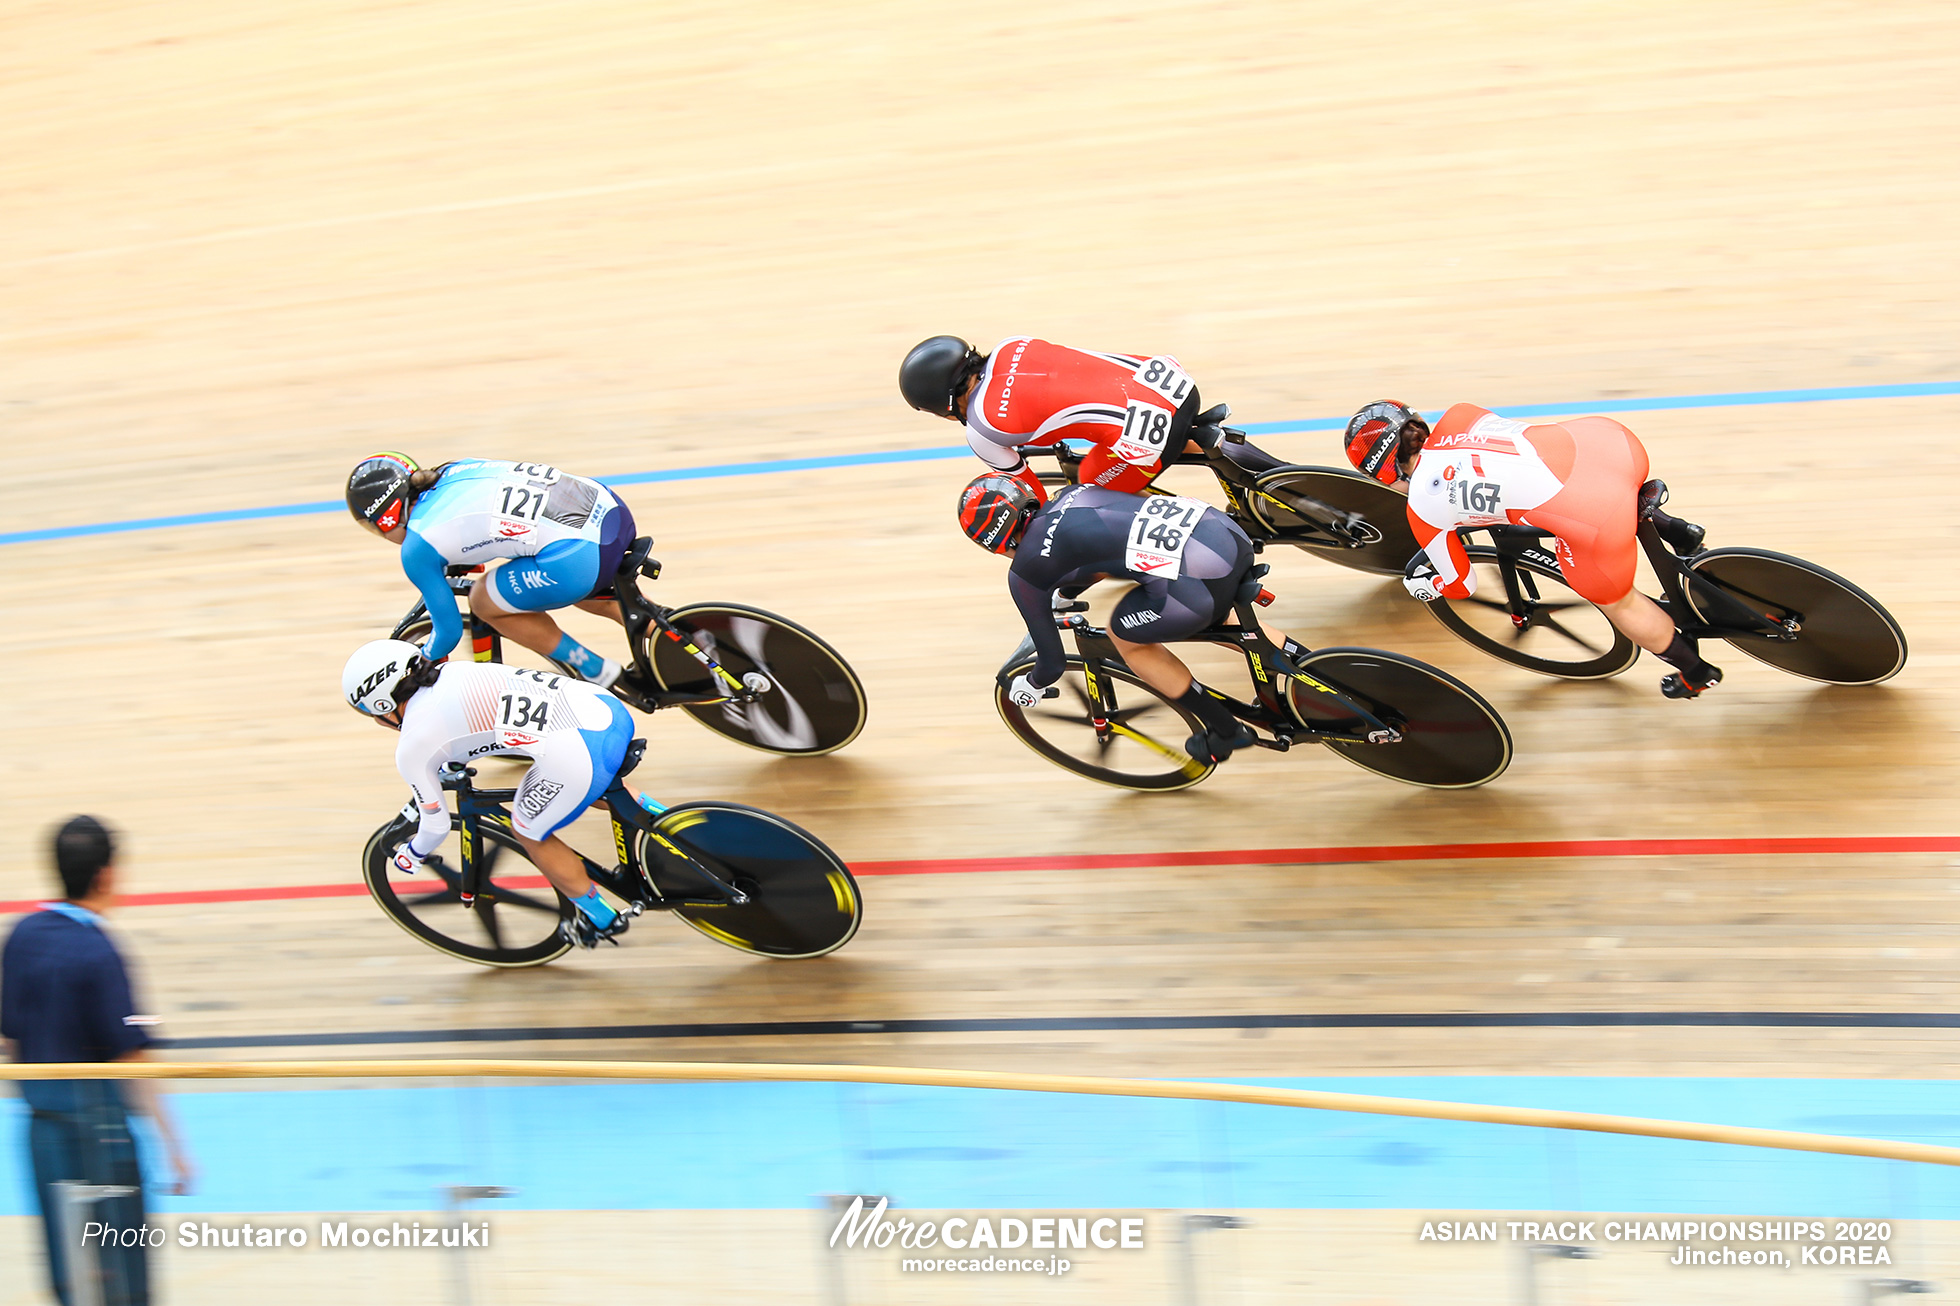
[(560, 865), (570, 770), (516, 599), (1159, 611), (1596, 519)]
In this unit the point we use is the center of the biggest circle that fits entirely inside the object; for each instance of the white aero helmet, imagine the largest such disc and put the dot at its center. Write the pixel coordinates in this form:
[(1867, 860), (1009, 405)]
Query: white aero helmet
[(375, 672)]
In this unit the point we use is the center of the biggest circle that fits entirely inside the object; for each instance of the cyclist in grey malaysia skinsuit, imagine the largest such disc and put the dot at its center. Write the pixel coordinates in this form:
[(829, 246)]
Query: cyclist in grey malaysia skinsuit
[(1086, 534)]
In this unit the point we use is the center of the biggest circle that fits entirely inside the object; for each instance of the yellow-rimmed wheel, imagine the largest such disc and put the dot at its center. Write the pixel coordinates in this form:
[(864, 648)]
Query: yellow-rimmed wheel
[(802, 899)]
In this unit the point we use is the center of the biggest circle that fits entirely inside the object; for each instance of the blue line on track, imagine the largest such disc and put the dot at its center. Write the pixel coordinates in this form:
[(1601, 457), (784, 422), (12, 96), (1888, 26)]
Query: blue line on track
[(763, 1146), (1733, 399)]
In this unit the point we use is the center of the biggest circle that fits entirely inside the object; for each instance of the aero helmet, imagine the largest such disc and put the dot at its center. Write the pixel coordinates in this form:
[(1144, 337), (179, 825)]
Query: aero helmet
[(994, 510), (377, 490), (374, 675), (932, 373), (1375, 435)]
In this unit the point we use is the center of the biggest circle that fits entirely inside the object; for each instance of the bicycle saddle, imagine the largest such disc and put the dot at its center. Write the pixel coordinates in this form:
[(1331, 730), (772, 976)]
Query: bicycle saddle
[(1249, 587), (636, 559), (1214, 416), (634, 752)]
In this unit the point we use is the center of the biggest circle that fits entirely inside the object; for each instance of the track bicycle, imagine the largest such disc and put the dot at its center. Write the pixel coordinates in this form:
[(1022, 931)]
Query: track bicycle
[(746, 674), (1382, 711), (1330, 512), (1785, 611), (739, 875)]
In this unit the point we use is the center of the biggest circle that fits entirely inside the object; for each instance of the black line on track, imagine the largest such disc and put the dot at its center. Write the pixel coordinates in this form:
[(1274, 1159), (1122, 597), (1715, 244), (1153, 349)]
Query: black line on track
[(1110, 1024)]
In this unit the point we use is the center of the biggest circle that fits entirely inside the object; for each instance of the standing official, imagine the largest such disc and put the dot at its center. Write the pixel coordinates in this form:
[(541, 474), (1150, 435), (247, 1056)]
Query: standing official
[(65, 997)]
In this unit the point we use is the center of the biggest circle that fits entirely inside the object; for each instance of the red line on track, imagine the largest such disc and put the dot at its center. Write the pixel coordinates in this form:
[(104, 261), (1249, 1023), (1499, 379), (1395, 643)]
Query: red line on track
[(1421, 852)]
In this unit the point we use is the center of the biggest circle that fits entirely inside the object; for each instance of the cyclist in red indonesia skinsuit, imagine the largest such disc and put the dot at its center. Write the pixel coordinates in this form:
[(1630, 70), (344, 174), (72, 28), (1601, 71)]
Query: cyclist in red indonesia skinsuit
[(1136, 409), (1578, 479)]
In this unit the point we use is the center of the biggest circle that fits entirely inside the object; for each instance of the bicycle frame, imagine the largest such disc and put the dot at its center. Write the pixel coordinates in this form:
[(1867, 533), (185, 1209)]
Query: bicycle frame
[(630, 879), (1267, 666), (1734, 616), (1324, 525), (642, 618)]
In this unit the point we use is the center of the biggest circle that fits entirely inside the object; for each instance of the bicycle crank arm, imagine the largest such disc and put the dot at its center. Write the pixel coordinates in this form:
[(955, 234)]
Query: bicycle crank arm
[(1189, 765)]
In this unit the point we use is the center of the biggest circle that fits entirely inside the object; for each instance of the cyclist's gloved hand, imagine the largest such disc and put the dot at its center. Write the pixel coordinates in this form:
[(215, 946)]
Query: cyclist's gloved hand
[(1025, 693), (1423, 585)]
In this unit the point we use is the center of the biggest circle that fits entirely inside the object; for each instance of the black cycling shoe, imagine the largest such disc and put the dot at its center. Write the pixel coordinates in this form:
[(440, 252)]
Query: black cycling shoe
[(1208, 746), (580, 932), (1675, 685)]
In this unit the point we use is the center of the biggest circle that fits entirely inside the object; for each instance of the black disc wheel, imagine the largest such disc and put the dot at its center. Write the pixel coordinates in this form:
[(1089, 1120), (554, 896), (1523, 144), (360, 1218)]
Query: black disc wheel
[(1843, 636), (802, 900), (1291, 502), (1140, 745), (814, 703), (514, 920), (1555, 632), (1450, 737)]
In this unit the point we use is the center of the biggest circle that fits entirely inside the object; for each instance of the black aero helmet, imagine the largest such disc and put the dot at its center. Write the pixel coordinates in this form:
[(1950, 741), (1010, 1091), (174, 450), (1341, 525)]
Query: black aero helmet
[(932, 373), (377, 490)]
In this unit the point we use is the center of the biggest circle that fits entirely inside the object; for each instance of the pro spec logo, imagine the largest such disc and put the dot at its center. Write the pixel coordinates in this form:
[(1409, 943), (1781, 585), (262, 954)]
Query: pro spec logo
[(512, 530)]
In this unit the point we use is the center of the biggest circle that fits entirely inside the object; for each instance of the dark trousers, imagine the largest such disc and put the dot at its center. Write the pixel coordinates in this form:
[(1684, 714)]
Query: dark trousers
[(86, 1138)]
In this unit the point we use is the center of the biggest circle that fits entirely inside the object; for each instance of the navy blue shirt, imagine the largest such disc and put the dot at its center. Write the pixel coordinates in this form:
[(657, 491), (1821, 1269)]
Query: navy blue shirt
[(64, 994)]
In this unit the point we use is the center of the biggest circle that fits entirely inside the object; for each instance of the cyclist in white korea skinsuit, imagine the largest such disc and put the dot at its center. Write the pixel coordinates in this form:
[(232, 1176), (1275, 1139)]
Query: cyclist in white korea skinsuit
[(575, 734)]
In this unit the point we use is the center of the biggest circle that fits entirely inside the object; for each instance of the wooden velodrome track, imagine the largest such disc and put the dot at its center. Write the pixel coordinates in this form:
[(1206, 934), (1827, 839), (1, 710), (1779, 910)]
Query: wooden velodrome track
[(245, 246)]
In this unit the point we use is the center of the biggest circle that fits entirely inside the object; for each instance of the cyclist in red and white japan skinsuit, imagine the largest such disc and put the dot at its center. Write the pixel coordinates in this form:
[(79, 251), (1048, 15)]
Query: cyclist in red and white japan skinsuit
[(1579, 480)]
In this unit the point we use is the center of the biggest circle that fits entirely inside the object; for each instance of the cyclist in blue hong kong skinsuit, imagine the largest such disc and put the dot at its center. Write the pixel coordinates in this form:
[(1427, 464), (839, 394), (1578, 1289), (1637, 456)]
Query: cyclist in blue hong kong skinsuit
[(563, 535)]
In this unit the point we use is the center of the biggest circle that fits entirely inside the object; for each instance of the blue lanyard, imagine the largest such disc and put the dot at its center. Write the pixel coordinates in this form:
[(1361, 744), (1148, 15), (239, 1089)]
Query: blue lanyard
[(74, 913)]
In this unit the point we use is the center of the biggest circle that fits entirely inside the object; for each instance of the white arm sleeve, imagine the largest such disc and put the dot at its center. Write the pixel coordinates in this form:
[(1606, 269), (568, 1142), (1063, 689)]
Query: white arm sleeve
[(418, 767), (999, 457)]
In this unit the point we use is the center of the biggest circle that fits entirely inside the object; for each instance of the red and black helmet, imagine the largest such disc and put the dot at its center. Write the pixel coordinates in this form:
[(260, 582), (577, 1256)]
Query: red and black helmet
[(1380, 435), (378, 490), (994, 511)]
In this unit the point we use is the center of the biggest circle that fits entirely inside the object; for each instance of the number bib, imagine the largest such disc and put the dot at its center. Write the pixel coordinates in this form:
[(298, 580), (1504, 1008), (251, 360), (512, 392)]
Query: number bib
[(1159, 532), (1163, 375), (522, 498), (1146, 430)]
